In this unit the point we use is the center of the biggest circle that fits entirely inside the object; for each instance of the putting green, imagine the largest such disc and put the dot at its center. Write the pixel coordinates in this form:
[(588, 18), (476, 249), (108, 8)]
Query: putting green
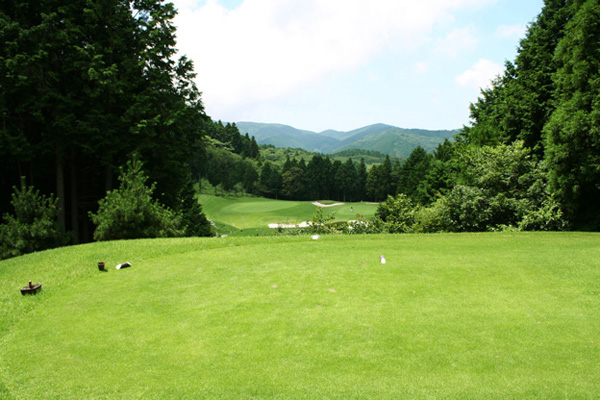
[(258, 212)]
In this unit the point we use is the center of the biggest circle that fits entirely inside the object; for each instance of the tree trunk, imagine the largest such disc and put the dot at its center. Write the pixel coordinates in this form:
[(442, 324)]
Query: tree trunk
[(74, 201), (60, 185), (108, 178), (20, 168)]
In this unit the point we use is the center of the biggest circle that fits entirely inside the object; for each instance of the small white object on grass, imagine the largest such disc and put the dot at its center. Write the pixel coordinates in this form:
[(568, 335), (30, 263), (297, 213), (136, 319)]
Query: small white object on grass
[(315, 237), (123, 265), (382, 259)]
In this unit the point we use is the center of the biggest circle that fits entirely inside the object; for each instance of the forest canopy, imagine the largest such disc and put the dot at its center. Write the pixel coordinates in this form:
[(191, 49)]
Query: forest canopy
[(549, 99), (85, 86)]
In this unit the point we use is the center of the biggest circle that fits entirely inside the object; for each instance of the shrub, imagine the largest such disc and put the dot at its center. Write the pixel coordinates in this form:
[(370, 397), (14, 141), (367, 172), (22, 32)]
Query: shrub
[(321, 222), (398, 213), (33, 227), (549, 217), (468, 209), (435, 218), (130, 211), (362, 225)]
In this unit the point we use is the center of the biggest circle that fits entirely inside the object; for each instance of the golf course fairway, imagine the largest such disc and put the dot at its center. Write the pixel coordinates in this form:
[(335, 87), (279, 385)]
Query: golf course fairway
[(449, 316)]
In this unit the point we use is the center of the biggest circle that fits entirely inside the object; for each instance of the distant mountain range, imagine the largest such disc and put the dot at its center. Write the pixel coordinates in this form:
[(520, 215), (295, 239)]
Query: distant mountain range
[(383, 138)]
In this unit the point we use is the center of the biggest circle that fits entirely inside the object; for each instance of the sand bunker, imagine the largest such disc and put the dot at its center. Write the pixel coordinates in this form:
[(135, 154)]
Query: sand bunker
[(316, 203), (302, 224)]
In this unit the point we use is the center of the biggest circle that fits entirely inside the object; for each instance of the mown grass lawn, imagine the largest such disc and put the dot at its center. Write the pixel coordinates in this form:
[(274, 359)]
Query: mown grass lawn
[(256, 213), (452, 316)]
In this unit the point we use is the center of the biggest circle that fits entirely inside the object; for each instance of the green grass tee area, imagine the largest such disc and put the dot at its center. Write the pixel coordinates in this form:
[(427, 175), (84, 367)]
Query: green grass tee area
[(254, 214), (449, 316)]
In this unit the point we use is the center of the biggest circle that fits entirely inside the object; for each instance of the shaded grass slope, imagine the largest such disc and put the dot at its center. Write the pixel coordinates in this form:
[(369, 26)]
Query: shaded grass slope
[(469, 316)]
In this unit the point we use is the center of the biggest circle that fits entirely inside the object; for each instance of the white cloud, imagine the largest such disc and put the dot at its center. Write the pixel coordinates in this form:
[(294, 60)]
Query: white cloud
[(373, 78), (264, 49), (436, 98), (421, 68), (458, 41), (480, 75), (511, 31)]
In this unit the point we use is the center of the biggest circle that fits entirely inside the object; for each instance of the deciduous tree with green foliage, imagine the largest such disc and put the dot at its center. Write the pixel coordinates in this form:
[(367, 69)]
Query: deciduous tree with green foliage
[(397, 213)]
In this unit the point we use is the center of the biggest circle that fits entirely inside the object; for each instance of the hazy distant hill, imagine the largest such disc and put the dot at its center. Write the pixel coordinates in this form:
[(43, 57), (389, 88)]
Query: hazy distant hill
[(286, 136), (383, 138)]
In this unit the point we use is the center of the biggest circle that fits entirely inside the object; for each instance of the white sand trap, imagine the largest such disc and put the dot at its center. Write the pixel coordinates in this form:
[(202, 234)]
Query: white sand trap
[(302, 224), (316, 203)]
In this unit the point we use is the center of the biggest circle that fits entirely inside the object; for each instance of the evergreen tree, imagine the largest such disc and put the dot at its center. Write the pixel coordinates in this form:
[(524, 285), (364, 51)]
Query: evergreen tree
[(33, 225), (254, 151), (275, 183), (249, 176), (414, 172), (269, 183), (386, 177), (347, 179), (395, 177), (316, 175), (130, 212), (288, 164), (374, 186), (361, 172), (263, 182), (573, 132), (293, 184), (519, 103), (192, 218), (326, 179), (234, 138), (441, 174), (335, 191), (84, 84)]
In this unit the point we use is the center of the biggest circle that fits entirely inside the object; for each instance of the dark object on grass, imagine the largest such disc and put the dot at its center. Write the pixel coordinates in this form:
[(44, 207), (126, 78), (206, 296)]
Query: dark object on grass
[(32, 288), (101, 266), (123, 265)]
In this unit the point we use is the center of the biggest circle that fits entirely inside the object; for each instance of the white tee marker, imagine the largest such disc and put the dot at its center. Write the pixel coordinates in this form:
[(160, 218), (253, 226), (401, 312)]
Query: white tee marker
[(383, 261)]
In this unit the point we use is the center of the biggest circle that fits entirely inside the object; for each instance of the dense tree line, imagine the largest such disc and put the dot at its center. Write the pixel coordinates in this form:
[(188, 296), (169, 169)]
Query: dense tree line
[(550, 100), (229, 136), (84, 86), (278, 155), (228, 159), (422, 176)]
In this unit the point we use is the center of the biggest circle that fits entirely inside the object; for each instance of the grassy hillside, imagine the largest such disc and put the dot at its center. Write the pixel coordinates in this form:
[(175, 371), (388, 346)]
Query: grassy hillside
[(471, 316), (254, 214), (382, 138), (391, 140), (287, 137)]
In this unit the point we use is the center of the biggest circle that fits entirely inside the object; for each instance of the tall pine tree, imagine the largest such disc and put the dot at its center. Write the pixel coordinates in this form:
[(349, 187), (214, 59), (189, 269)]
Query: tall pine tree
[(573, 132)]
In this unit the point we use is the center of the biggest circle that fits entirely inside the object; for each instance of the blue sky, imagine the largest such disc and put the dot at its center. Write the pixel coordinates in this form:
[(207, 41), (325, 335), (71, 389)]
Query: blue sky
[(345, 64)]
